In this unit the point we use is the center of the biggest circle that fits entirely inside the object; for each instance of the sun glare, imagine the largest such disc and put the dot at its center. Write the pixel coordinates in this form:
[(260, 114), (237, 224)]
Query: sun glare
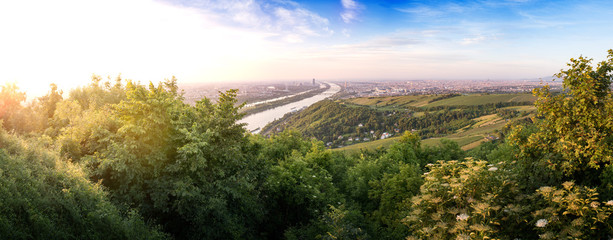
[(65, 42)]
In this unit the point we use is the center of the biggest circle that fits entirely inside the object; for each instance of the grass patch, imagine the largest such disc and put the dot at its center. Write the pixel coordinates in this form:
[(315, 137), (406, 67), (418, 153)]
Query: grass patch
[(468, 137), (393, 101), (385, 143), (530, 108), (480, 99), (461, 141), (372, 145)]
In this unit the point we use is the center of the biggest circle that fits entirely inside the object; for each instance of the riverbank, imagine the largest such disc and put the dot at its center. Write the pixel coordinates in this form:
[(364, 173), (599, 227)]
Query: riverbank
[(257, 121), (273, 104)]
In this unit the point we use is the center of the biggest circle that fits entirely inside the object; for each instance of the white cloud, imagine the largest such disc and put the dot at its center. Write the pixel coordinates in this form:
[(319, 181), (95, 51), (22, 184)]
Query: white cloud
[(346, 32), (299, 23), (421, 11), (350, 10), (468, 41), (435, 13), (283, 18), (349, 4), (541, 22), (245, 12)]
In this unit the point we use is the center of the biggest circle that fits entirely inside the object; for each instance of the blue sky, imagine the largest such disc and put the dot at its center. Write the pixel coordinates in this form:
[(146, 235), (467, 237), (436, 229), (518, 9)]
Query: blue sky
[(251, 40)]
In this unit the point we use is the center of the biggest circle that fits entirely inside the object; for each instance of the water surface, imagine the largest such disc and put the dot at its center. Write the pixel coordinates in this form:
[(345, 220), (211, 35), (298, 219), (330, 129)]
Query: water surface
[(257, 121)]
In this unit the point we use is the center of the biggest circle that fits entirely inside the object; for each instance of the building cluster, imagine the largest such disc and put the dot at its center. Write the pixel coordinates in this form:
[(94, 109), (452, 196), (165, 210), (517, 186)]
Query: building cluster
[(247, 92), (394, 88), (366, 136)]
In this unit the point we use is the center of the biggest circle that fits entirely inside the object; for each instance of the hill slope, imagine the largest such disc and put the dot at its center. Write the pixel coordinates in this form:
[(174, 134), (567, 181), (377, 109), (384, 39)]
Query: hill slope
[(362, 120)]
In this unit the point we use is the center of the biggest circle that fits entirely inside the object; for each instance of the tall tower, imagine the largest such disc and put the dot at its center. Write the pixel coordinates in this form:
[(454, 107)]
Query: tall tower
[(313, 81)]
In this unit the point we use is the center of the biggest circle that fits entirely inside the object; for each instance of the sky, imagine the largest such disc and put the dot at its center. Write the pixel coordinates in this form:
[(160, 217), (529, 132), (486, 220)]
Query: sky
[(66, 41)]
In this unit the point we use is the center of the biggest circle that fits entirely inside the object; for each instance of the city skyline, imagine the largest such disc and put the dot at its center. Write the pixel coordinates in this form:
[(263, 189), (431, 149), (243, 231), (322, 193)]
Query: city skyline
[(246, 40)]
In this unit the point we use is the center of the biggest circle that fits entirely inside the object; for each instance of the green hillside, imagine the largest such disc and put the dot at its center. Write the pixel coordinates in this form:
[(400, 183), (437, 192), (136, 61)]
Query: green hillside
[(396, 102), (361, 122), (480, 99)]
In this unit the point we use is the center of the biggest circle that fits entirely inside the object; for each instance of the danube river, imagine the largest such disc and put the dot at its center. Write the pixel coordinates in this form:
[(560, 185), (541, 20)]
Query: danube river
[(259, 120)]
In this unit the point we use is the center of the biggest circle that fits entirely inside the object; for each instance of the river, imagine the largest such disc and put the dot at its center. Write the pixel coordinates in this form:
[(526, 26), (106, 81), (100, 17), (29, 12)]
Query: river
[(281, 98), (259, 120)]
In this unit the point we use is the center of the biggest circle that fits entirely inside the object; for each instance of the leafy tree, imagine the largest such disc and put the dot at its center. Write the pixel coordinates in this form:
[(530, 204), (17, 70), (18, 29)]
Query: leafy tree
[(10, 105), (48, 102), (467, 200), (379, 185), (189, 168), (575, 135), (572, 212), (299, 186), (43, 197), (10, 99), (340, 224), (282, 145), (99, 93)]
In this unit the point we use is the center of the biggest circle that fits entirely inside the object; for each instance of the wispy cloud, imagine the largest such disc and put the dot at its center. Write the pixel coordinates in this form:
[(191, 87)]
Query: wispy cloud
[(534, 21), (378, 45), (427, 13), (473, 40), (298, 23), (505, 3), (285, 19), (350, 11), (346, 32)]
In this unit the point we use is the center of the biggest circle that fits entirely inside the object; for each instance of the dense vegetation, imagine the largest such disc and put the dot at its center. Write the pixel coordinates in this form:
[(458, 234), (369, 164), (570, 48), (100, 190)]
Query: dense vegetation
[(336, 121), (129, 161)]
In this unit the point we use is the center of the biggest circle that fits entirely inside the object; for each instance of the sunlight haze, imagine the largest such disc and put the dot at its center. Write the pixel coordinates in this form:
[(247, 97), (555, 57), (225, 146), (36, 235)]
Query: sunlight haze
[(65, 42)]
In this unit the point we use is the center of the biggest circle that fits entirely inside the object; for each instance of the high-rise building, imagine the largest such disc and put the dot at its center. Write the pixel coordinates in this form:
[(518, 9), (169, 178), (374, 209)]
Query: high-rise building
[(313, 81)]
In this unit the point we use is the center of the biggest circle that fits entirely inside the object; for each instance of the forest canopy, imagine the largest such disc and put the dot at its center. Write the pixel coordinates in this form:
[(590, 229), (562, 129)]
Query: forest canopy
[(123, 160)]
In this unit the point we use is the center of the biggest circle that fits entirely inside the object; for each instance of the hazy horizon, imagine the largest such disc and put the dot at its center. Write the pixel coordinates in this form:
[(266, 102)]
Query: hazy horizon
[(249, 41)]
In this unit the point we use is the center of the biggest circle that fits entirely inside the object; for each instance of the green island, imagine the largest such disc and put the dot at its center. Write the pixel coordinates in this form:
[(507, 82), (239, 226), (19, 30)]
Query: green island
[(270, 105)]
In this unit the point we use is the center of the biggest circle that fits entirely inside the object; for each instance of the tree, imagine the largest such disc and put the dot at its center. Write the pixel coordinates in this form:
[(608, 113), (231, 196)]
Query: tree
[(467, 199), (48, 102), (575, 128), (43, 197), (191, 169), (10, 99), (10, 105)]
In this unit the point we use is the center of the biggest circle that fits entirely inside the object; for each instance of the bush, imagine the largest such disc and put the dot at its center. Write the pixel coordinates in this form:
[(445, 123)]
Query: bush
[(465, 200), (42, 197)]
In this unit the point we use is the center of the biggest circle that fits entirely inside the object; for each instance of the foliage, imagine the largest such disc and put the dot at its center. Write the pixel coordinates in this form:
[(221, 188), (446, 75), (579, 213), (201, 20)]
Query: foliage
[(379, 184), (42, 197), (10, 99), (465, 200), (334, 121), (111, 158), (299, 185), (572, 212), (575, 134), (11, 111), (340, 223), (189, 168)]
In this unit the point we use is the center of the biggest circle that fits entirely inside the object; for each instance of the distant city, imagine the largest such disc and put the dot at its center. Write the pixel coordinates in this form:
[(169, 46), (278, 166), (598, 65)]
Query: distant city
[(247, 92), (394, 88), (253, 92)]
